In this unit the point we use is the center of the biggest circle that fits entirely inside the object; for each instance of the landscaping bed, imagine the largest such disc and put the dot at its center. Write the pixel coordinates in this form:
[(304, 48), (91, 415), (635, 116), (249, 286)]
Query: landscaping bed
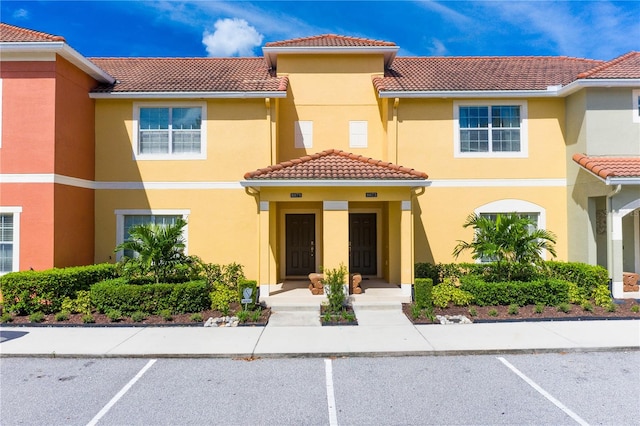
[(344, 317), (623, 310)]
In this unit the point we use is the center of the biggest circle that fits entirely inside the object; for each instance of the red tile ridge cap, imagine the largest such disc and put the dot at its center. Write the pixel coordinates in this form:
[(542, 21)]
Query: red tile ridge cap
[(607, 64), (49, 37), (284, 43)]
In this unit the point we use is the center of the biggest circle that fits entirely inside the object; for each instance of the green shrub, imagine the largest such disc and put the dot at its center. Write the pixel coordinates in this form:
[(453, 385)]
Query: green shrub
[(36, 317), (5, 318), (576, 294), (197, 317), (229, 275), (445, 293), (422, 292), (586, 306), (539, 308), (441, 271), (152, 298), (62, 316), (473, 312), (255, 314), (114, 315), (564, 307), (33, 291), (635, 308), (334, 281), (612, 307), (242, 315), (492, 312), (601, 295), (166, 315), (80, 305), (88, 319), (138, 316), (513, 310), (548, 291), (252, 291), (221, 297), (586, 277)]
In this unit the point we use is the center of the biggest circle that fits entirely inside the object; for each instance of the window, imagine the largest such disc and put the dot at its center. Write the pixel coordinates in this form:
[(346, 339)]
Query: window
[(126, 219), (358, 134), (490, 130), (9, 239), (170, 132), (636, 106), (303, 134)]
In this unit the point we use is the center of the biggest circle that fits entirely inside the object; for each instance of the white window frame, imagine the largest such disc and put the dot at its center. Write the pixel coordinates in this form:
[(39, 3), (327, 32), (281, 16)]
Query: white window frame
[(358, 134), (15, 210), (303, 131), (515, 206), (524, 133), (636, 106), (182, 156), (120, 214)]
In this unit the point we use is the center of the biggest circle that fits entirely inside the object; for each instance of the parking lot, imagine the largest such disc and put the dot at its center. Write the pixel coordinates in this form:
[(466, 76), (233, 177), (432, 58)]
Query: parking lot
[(582, 388)]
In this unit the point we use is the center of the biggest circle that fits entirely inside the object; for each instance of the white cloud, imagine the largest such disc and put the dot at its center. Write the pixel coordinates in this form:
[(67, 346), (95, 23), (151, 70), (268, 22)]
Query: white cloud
[(448, 14), (437, 48), (21, 14), (232, 37)]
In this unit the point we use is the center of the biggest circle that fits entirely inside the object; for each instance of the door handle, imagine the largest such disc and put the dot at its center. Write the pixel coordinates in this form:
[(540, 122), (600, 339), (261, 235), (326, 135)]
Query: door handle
[(312, 248)]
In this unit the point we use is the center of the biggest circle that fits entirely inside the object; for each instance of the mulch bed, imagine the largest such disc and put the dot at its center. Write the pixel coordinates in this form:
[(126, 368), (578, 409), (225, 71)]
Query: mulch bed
[(527, 313), (101, 320)]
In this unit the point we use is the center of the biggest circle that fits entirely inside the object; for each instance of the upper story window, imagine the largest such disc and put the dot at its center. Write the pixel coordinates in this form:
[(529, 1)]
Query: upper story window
[(170, 131), (490, 129), (358, 132), (636, 106), (303, 134)]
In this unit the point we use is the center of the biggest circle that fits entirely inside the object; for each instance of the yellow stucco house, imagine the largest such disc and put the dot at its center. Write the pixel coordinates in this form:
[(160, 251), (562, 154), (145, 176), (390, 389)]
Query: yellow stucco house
[(332, 150)]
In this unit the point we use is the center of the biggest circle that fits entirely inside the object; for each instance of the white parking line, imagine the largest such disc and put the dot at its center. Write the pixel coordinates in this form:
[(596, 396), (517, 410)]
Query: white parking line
[(119, 395), (331, 399), (544, 393)]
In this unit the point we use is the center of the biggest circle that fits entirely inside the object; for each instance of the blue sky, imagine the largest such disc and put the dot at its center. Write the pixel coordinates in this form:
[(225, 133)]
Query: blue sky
[(592, 29)]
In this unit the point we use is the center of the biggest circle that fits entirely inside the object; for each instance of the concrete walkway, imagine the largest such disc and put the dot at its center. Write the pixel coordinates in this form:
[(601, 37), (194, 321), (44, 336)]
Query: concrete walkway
[(382, 333)]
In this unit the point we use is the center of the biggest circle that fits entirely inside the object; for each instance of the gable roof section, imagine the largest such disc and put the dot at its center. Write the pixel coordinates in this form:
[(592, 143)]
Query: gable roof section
[(11, 33), (623, 67), (464, 74), (333, 166), (613, 170), (326, 40), (329, 44), (226, 77)]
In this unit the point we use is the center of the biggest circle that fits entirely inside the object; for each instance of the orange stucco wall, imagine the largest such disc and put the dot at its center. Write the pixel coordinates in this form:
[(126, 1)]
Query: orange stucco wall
[(48, 127), (28, 117), (36, 222)]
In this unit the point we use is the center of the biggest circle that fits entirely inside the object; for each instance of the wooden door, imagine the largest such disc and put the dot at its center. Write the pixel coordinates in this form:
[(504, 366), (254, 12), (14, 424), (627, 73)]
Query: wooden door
[(363, 253), (300, 243)]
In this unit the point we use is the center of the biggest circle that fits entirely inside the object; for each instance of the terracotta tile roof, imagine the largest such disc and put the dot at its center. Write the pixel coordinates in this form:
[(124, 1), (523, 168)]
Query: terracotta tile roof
[(329, 40), (480, 73), (11, 33), (189, 75), (335, 164), (625, 66), (610, 167)]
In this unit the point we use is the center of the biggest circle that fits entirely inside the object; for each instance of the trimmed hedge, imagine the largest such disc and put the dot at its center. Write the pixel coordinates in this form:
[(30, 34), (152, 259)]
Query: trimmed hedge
[(27, 292), (128, 298), (549, 291), (422, 292), (586, 277)]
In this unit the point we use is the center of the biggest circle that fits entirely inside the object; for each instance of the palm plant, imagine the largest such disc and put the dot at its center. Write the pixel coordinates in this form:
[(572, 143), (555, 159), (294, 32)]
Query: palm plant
[(158, 248), (510, 238)]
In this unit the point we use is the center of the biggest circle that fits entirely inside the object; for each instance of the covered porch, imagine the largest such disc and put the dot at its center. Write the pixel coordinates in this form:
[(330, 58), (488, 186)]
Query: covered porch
[(330, 209)]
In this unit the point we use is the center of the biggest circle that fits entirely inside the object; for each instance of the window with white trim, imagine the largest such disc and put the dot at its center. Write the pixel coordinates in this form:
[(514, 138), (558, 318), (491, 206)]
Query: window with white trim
[(358, 134), (303, 134), (490, 129), (636, 106), (170, 131), (126, 219), (9, 239)]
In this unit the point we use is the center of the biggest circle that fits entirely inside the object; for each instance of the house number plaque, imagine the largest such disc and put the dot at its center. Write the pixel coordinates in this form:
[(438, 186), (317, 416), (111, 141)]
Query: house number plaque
[(295, 195), (371, 194)]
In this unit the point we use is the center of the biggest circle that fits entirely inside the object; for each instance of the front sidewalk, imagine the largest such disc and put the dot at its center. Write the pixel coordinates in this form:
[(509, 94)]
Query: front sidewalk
[(395, 339)]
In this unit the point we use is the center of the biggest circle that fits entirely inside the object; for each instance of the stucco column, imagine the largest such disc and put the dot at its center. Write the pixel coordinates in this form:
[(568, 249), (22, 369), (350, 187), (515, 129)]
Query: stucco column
[(614, 258), (267, 261), (406, 247), (335, 234)]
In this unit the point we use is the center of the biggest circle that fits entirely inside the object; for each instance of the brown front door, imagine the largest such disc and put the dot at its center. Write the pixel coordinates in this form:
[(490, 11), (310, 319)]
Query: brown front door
[(363, 252), (300, 243)]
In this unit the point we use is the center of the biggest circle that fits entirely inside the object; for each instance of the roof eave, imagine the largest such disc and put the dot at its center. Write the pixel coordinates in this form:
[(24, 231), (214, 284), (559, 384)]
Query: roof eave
[(62, 49), (584, 83), (271, 53), (622, 181), (550, 93), (188, 95), (257, 183)]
